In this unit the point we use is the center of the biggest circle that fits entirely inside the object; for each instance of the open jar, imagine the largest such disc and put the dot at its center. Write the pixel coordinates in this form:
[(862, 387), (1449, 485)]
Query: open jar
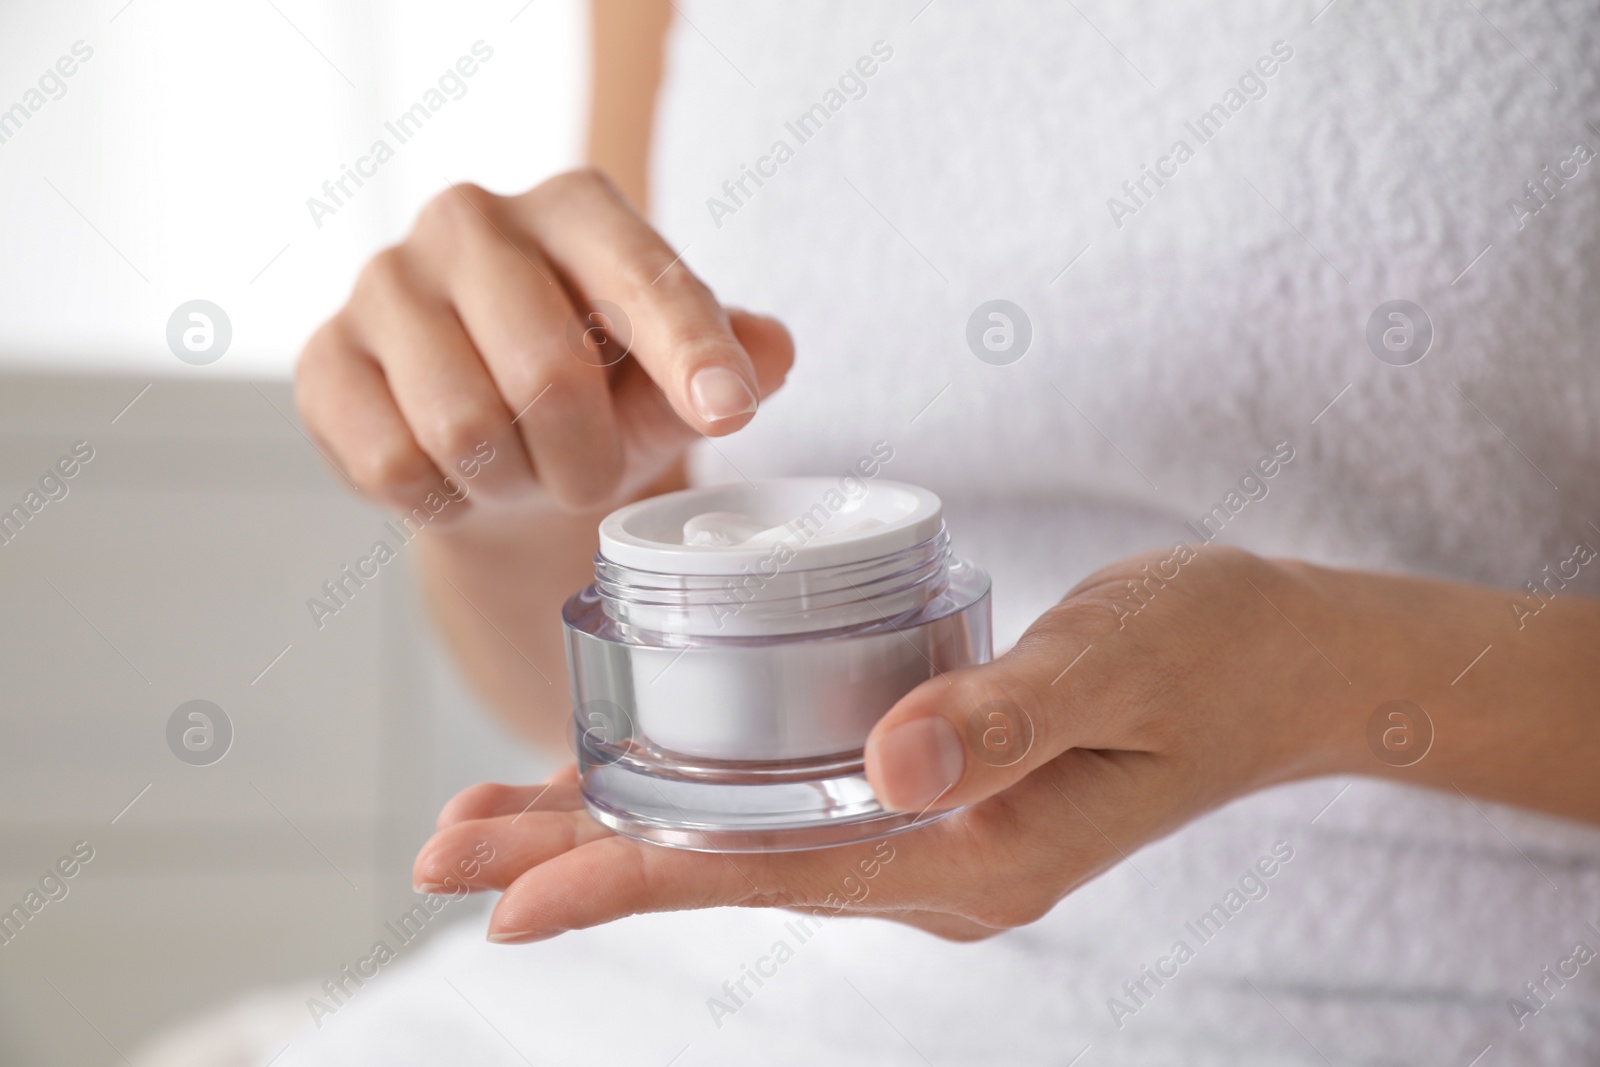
[(740, 642)]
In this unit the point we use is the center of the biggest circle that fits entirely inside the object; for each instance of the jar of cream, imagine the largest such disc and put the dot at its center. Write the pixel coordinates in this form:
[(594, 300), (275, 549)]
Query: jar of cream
[(738, 645)]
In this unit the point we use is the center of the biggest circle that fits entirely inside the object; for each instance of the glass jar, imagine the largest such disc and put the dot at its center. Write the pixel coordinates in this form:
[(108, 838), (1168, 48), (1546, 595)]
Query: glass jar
[(740, 642)]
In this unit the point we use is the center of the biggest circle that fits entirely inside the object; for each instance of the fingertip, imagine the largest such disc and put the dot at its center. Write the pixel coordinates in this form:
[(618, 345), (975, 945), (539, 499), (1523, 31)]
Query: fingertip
[(725, 391), (954, 740), (426, 868), (723, 398), (520, 937), (769, 344), (517, 920)]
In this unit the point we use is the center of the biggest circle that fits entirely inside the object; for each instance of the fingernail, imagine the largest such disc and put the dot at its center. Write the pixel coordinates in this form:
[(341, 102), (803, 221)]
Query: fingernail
[(918, 761), (430, 888), (718, 393), (525, 937)]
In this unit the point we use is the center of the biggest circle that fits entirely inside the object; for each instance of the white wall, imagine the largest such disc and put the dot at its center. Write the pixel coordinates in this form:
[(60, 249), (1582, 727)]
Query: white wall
[(194, 134), (177, 567), (179, 563)]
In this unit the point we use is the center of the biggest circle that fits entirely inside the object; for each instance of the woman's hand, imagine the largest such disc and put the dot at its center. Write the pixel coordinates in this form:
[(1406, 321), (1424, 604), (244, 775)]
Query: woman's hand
[(486, 352), (1160, 688)]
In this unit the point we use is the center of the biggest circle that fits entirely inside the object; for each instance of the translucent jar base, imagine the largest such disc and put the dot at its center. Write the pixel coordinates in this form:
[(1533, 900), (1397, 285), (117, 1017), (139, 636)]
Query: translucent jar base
[(754, 744), (742, 808)]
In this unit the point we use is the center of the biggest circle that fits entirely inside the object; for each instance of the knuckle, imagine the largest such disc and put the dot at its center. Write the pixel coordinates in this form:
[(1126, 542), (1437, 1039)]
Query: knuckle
[(476, 800), (1014, 707), (580, 181), (472, 195), (995, 733), (653, 270), (693, 340), (579, 491), (596, 488), (388, 469), (598, 482), (459, 209), (548, 382), (316, 347), (320, 349), (384, 276), (1073, 616), (566, 400), (455, 431)]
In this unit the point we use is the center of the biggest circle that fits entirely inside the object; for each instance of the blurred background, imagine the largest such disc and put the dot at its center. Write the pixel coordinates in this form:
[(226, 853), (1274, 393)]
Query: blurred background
[(174, 164)]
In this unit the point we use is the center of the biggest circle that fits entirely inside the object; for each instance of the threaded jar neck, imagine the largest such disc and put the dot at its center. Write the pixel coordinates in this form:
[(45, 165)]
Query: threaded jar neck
[(771, 596)]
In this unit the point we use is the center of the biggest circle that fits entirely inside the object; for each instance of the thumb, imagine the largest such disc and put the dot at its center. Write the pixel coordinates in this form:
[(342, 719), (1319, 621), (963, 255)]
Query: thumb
[(973, 732)]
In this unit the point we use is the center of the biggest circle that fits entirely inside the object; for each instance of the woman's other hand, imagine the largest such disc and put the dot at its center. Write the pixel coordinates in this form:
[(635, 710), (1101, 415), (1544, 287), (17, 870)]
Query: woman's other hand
[(488, 348), (1124, 712)]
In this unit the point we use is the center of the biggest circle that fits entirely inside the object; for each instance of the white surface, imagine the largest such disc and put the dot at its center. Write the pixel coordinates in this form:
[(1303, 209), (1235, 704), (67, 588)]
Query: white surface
[(725, 528), (868, 993)]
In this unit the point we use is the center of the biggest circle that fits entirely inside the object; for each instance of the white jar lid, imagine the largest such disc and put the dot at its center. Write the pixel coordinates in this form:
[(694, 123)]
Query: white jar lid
[(828, 522)]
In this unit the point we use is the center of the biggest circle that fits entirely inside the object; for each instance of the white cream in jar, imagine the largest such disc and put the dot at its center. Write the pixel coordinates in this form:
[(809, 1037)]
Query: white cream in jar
[(740, 642)]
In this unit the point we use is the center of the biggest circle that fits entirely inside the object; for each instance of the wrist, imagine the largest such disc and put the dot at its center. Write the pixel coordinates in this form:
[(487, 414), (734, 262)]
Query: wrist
[(1314, 623), (1407, 648), (1367, 664)]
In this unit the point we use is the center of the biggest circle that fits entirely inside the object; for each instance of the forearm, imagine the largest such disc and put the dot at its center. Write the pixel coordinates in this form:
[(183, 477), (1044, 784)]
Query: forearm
[(1513, 702), (625, 56), (496, 590), (496, 584)]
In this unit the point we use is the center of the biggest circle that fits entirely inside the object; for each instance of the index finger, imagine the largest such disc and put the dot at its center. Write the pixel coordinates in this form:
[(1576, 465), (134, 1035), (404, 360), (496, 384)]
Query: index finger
[(680, 333)]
